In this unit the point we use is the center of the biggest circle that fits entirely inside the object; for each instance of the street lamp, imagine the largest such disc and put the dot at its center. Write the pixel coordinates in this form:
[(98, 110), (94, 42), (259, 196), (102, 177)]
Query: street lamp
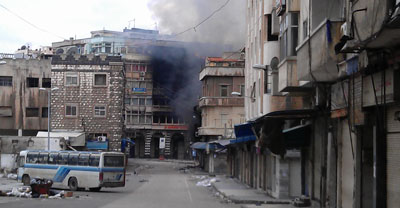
[(48, 113), (240, 95)]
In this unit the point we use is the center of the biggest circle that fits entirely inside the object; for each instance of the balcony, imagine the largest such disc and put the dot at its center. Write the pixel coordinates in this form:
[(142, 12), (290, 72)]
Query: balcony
[(221, 101), (319, 49), (288, 81), (221, 72), (217, 127)]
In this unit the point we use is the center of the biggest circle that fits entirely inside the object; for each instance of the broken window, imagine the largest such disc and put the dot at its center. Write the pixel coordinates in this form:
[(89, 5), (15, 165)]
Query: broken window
[(100, 80), (46, 82), (45, 112), (71, 110), (100, 111), (224, 90), (32, 82), (32, 112), (71, 79), (5, 81)]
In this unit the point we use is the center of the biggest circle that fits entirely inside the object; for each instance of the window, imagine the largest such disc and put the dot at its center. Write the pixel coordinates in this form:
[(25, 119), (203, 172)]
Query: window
[(100, 111), (21, 161), (94, 160), (242, 90), (100, 80), (267, 81), (71, 79), (149, 102), (53, 158), (127, 101), (73, 159), (71, 110), (288, 35), (83, 160), (108, 47), (138, 117), (32, 112), (6, 111), (32, 82), (142, 101), (224, 90), (32, 157), (5, 81), (43, 157), (45, 112), (63, 159), (46, 82), (114, 161)]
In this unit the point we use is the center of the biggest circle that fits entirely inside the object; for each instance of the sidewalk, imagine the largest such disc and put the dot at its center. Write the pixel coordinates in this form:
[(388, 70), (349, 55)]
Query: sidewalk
[(241, 194)]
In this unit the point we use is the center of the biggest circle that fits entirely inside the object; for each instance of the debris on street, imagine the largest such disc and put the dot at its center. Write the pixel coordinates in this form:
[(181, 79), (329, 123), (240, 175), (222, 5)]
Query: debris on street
[(206, 182)]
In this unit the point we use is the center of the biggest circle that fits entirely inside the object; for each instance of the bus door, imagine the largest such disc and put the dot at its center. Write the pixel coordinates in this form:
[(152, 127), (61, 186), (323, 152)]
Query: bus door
[(21, 167)]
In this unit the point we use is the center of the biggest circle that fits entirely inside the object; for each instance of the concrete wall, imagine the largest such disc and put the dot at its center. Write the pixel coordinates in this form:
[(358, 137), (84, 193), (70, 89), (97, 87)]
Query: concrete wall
[(19, 96)]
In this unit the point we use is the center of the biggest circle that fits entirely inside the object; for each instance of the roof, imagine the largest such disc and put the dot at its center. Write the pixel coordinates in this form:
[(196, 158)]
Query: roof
[(220, 59), (59, 134)]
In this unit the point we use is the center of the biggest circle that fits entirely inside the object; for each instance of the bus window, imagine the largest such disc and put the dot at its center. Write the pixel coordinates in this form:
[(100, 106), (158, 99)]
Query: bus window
[(21, 161), (113, 161), (53, 158), (32, 157), (43, 157), (73, 159), (63, 159), (94, 160), (83, 160)]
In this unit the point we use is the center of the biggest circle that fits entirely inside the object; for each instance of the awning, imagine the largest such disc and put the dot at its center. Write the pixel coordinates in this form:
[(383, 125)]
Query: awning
[(286, 115), (203, 145), (199, 145), (297, 136), (244, 133)]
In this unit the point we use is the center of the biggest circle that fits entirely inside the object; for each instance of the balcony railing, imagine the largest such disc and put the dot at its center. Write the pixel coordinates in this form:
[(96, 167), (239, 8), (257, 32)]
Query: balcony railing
[(221, 101)]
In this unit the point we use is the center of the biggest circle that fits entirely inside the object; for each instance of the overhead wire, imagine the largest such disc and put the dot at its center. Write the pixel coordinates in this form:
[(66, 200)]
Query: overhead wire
[(29, 23)]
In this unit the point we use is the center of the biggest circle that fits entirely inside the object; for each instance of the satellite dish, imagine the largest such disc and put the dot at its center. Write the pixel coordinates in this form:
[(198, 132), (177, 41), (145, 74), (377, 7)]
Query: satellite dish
[(274, 63)]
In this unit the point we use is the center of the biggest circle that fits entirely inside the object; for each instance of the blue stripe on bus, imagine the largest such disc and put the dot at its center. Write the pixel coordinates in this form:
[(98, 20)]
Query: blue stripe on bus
[(63, 171)]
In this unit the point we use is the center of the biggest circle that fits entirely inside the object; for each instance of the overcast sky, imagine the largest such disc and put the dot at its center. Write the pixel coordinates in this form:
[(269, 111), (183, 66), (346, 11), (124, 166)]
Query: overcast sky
[(66, 19), (76, 18)]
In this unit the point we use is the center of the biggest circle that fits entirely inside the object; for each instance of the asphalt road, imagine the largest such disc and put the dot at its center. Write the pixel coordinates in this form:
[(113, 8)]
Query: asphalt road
[(157, 184)]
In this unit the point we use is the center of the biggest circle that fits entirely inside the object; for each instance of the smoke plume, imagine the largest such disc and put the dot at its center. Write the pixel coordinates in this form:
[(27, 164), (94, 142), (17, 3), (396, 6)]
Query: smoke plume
[(226, 26)]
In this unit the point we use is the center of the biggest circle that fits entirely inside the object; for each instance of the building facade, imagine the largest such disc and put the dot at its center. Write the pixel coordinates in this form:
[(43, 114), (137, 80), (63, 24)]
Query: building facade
[(23, 94), (323, 103), (88, 96)]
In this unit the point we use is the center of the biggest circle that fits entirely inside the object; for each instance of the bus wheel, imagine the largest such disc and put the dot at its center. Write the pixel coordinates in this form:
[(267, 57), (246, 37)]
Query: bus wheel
[(26, 180), (97, 189), (73, 184)]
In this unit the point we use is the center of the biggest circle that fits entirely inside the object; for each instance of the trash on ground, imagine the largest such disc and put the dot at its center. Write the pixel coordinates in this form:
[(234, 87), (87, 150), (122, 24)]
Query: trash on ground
[(39, 188), (143, 180), (12, 176), (207, 182)]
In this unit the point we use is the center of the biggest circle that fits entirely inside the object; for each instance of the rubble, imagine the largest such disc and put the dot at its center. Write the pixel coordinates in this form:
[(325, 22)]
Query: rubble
[(12, 176), (206, 182)]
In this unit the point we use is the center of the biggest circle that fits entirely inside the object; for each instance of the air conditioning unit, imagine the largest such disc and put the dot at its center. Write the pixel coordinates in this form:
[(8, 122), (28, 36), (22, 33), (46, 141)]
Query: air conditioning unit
[(142, 74), (274, 23)]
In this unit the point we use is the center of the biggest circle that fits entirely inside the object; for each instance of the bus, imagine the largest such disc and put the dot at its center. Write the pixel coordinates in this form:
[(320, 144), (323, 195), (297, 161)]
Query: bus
[(73, 169)]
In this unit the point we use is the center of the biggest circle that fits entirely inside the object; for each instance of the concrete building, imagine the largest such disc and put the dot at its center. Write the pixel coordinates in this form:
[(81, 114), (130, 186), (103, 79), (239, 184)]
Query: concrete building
[(23, 106), (221, 106), (324, 105), (147, 110), (89, 97)]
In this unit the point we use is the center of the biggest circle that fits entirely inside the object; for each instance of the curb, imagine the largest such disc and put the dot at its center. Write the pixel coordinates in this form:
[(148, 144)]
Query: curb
[(241, 201)]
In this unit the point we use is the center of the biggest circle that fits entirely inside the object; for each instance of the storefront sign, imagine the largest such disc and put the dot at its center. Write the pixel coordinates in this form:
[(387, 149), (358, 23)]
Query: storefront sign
[(162, 143), (139, 90)]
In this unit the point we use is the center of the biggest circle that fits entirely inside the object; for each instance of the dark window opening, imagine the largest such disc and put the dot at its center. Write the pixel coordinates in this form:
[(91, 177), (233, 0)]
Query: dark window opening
[(100, 79), (32, 82), (45, 112), (5, 81), (46, 82), (32, 112)]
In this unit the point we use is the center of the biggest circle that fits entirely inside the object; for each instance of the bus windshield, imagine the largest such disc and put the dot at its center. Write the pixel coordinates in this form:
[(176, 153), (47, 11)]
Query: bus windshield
[(113, 161)]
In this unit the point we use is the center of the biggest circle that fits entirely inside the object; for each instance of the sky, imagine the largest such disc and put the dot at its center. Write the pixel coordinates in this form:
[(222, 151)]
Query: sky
[(72, 18), (55, 20)]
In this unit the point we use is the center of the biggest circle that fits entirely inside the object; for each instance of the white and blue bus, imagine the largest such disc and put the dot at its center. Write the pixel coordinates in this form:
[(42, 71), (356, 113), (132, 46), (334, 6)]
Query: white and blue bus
[(72, 169)]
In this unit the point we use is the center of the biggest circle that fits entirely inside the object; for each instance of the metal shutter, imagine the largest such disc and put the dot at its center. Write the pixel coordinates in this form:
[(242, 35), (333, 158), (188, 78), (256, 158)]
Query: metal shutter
[(393, 158)]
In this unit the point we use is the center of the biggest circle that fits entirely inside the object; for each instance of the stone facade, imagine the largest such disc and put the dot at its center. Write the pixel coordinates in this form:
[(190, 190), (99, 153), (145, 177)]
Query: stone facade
[(85, 97)]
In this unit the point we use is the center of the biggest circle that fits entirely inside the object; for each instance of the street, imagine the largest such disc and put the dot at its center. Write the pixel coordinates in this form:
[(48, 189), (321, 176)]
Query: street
[(156, 184)]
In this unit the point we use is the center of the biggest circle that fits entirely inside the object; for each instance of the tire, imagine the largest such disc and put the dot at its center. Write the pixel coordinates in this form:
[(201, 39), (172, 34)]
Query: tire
[(73, 184), (26, 180), (97, 189)]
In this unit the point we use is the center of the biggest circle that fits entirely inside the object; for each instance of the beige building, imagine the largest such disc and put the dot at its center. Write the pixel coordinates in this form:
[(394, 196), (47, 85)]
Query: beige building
[(23, 106), (221, 109)]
